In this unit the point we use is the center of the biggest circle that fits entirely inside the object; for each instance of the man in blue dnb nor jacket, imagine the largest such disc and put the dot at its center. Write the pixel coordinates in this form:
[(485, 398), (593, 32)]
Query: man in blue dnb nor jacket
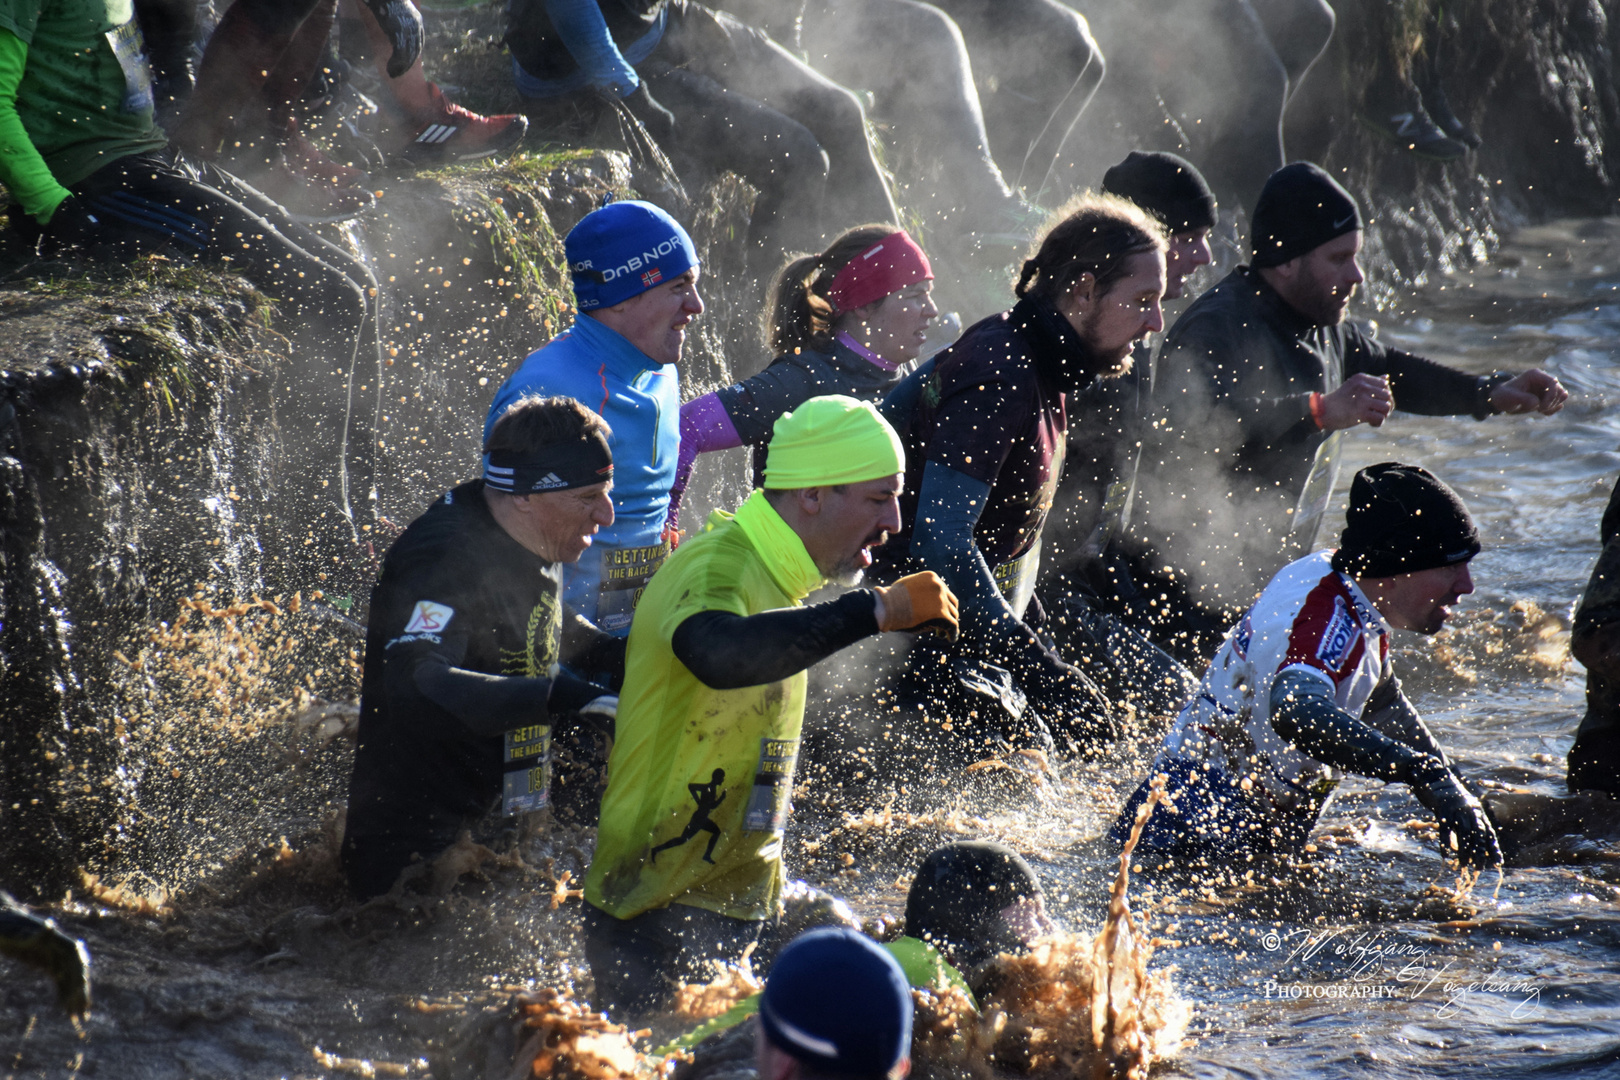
[(635, 276)]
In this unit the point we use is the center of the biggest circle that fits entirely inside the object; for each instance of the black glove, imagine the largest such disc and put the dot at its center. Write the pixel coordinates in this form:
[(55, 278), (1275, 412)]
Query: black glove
[(402, 23), (1460, 814), (1066, 698), (72, 225), (659, 121)]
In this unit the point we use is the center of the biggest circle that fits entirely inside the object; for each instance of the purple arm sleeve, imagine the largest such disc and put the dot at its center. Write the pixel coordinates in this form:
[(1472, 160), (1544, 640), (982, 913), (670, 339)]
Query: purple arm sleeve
[(705, 426)]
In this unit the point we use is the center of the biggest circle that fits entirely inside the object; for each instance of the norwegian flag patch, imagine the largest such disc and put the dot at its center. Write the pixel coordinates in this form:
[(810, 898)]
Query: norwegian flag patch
[(652, 277)]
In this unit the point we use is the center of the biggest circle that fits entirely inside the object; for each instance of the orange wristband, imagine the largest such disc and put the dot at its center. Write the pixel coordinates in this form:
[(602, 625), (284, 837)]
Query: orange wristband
[(1316, 409)]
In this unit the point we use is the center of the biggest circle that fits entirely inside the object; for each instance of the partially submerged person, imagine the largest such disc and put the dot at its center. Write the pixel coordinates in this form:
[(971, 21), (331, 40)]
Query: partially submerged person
[(460, 694), (1594, 759), (846, 321), (986, 427), (688, 862), (835, 1005), (969, 902), (635, 275), (1098, 487), (1304, 691), (1257, 378)]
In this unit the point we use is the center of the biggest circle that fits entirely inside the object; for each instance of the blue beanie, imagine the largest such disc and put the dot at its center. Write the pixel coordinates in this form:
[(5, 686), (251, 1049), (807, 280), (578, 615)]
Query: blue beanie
[(624, 249), (837, 1001)]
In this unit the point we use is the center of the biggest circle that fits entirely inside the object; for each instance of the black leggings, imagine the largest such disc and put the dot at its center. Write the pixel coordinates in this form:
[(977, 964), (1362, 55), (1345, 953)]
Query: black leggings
[(743, 103), (1037, 67), (160, 203), (925, 95), (1225, 68)]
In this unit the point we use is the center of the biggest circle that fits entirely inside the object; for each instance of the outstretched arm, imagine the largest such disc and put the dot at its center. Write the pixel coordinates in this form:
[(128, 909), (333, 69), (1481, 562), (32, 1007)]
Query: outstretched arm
[(948, 507), (22, 170), (1304, 712), (705, 426), (727, 651)]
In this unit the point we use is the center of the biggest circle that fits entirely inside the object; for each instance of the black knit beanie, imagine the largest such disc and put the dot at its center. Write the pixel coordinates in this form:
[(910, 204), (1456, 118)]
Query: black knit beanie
[(1403, 519), (1300, 209), (1165, 185), (957, 896)]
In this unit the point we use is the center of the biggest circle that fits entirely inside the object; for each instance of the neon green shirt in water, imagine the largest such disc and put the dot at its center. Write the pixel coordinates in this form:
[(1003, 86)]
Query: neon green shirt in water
[(699, 780), (83, 94), (925, 969)]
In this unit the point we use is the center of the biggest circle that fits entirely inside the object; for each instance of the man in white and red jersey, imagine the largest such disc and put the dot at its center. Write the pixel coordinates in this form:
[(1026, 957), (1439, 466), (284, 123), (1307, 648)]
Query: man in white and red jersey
[(1303, 691)]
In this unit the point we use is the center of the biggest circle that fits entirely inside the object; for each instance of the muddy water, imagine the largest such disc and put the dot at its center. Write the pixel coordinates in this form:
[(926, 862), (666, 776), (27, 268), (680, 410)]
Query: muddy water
[(1520, 981), (1359, 960)]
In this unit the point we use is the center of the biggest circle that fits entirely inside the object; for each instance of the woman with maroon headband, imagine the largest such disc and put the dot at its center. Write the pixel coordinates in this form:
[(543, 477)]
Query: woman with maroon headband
[(846, 321)]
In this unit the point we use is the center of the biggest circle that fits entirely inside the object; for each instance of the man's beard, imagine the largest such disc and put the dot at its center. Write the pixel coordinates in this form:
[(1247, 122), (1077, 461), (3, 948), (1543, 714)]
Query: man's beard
[(1100, 364), (849, 571), (847, 574), (1323, 307)]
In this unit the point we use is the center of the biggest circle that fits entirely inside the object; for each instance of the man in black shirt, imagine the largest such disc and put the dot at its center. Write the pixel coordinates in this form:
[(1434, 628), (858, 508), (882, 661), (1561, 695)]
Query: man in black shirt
[(461, 682), (1259, 375)]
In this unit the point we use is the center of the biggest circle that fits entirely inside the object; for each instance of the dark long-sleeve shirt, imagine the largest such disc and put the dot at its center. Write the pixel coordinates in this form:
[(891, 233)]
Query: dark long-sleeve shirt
[(460, 680), (1233, 443), (1242, 350)]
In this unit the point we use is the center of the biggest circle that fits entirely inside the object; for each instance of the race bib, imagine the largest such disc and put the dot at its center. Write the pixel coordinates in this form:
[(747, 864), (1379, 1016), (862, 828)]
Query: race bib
[(1016, 578), (130, 49), (526, 783), (625, 573), (772, 796)]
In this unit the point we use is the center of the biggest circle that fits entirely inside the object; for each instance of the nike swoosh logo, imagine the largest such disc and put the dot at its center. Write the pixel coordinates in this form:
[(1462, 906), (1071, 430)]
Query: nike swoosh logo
[(1342, 222)]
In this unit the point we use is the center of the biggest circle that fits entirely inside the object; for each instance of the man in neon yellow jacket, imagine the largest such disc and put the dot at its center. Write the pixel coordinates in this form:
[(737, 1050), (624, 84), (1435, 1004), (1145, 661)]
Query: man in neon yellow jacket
[(688, 863)]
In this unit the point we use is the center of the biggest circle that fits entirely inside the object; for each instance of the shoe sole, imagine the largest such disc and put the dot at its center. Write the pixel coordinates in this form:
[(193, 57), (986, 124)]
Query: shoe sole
[(1409, 147)]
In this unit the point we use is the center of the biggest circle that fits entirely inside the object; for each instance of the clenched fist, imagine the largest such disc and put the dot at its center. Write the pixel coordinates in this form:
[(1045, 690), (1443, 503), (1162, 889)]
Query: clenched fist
[(918, 602)]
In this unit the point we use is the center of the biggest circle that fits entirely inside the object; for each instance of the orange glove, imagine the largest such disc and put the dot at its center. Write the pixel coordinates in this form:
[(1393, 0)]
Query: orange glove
[(919, 602)]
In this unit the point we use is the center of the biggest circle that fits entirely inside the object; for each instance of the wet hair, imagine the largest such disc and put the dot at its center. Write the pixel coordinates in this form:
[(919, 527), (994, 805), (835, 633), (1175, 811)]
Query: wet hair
[(1094, 234), (533, 423), (799, 315)]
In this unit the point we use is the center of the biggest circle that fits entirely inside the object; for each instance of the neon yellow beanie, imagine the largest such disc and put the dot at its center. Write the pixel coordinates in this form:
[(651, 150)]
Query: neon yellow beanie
[(832, 440)]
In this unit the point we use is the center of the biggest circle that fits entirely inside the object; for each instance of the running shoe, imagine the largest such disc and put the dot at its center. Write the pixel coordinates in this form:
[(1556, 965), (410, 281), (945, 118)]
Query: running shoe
[(452, 133), (1438, 106), (1401, 119)]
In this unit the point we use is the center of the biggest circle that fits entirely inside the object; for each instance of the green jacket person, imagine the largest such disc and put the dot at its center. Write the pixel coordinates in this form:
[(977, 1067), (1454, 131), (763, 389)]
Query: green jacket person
[(969, 902), (688, 863)]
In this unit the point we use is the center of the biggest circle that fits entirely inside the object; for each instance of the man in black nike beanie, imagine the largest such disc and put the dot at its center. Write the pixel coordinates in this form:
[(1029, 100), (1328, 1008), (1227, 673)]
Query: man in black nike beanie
[(1300, 209)]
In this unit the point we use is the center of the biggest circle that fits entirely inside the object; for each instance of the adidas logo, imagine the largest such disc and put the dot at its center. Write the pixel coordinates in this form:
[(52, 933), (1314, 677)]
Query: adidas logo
[(434, 134), (548, 482)]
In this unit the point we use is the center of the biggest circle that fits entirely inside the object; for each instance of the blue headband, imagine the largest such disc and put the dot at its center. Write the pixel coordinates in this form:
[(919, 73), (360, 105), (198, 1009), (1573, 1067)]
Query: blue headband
[(624, 249)]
